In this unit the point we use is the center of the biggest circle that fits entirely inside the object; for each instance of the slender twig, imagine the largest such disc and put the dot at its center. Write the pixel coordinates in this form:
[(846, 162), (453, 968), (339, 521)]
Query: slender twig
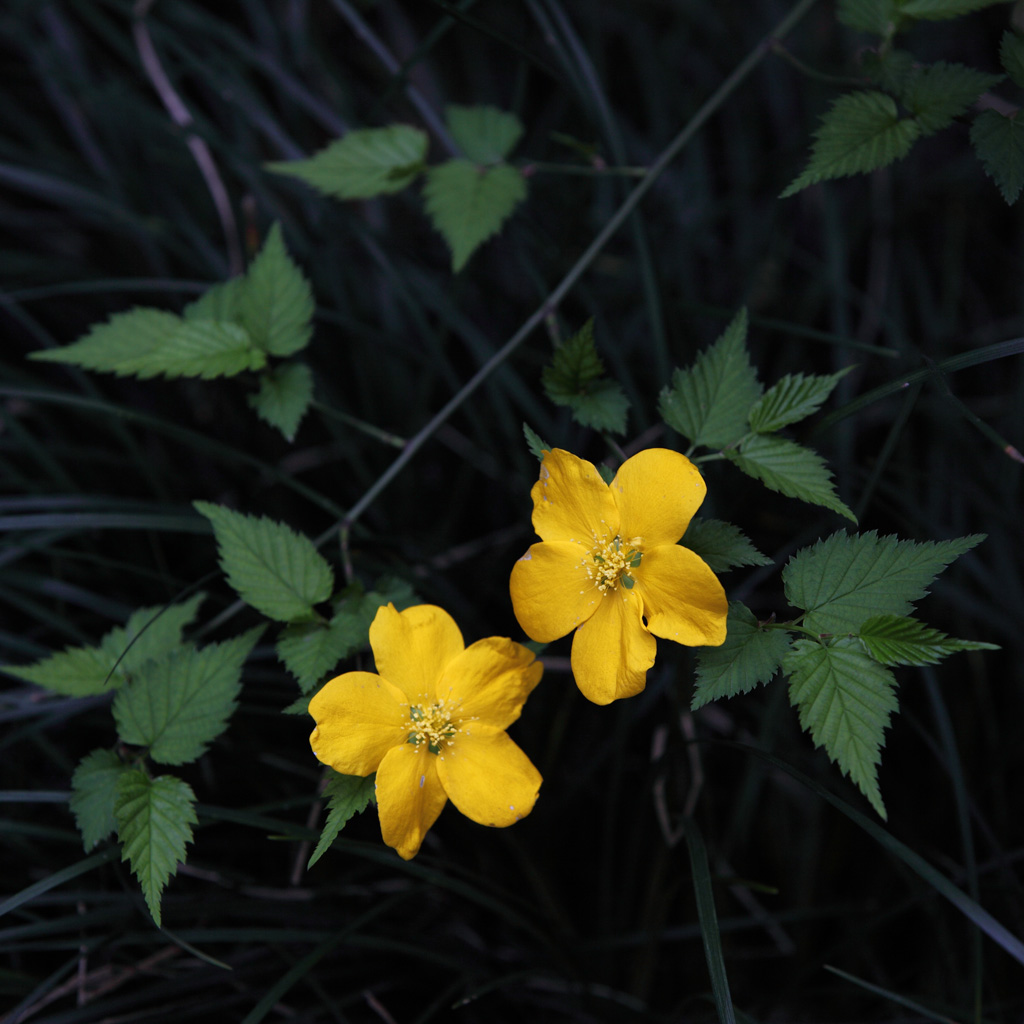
[(674, 148), (181, 116)]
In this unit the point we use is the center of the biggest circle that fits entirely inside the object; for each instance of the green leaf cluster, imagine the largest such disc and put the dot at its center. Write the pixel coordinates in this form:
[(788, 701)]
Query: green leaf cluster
[(575, 378), (467, 198), (236, 327), (719, 403), (855, 594)]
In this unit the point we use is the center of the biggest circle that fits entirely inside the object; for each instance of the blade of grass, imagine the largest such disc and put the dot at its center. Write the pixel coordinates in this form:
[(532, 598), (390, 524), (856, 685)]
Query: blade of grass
[(58, 878)]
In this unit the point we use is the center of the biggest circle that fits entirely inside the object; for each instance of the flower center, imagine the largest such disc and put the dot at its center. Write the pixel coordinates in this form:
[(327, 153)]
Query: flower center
[(432, 724), (612, 561)]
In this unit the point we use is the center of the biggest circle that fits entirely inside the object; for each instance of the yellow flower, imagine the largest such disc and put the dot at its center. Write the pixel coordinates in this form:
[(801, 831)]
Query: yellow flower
[(431, 725), (608, 566)]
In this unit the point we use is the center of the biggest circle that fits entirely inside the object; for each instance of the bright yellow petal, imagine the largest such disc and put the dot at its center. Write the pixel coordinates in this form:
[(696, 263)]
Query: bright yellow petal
[(551, 594), (412, 648), (571, 502), (657, 492), (359, 718), (683, 599), (488, 777), (409, 797), (489, 681), (612, 651)]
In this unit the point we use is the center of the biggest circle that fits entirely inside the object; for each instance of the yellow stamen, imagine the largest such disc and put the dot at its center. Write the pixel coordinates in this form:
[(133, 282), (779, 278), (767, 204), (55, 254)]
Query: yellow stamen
[(432, 724), (610, 562)]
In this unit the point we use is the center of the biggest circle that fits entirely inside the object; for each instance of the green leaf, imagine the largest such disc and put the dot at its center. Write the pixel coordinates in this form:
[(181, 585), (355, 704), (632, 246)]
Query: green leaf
[(898, 640), (81, 671), (937, 94), (940, 10), (364, 163), (221, 302), (574, 378), (537, 445), (709, 402), (891, 68), (93, 794), (277, 308), (999, 142), (177, 706), (749, 656), (845, 700), (284, 396), (793, 398), (721, 544), (861, 132), (147, 342), (1011, 56), (847, 578), (275, 570), (154, 825), (347, 796), (468, 204), (486, 135), (790, 469), (878, 16)]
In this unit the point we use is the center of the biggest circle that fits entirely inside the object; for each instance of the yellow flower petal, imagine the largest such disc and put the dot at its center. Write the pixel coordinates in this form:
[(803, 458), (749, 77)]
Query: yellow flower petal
[(359, 718), (611, 651), (488, 777), (489, 681), (657, 492), (409, 797), (551, 594), (571, 501), (412, 648), (683, 599)]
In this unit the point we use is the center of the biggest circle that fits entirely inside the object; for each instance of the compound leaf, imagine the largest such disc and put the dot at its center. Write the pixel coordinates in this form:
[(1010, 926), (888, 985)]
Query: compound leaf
[(284, 396), (364, 163), (848, 578), (845, 700), (154, 825), (93, 794), (347, 795), (486, 135), (708, 403), (722, 545), (468, 203), (899, 640), (275, 570)]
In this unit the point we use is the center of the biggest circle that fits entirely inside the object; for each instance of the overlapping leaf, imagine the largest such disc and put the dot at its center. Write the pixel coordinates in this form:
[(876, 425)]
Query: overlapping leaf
[(94, 793), (999, 142), (722, 545), (876, 16), (486, 135), (1011, 56), (937, 94), (347, 796), (793, 398), (154, 825), (277, 571), (845, 699), (846, 579), (899, 640), (284, 397)]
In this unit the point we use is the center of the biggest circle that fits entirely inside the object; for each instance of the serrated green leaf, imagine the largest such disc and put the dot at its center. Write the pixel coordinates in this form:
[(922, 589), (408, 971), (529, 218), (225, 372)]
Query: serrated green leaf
[(899, 640), (177, 706), (537, 445), (603, 406), (845, 579), (271, 567), (284, 396), (145, 343), (937, 94), (878, 16), (154, 825), (845, 699), (999, 142), (81, 671), (347, 796), (722, 545), (486, 135), (364, 163), (1011, 56), (793, 398), (749, 656), (890, 68), (310, 650), (468, 204), (940, 10), (790, 469), (220, 302), (708, 403), (861, 132), (93, 794), (277, 304)]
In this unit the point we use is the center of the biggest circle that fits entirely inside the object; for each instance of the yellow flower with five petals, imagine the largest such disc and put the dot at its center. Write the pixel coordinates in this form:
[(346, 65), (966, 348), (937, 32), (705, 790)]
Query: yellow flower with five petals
[(609, 566), (431, 724)]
